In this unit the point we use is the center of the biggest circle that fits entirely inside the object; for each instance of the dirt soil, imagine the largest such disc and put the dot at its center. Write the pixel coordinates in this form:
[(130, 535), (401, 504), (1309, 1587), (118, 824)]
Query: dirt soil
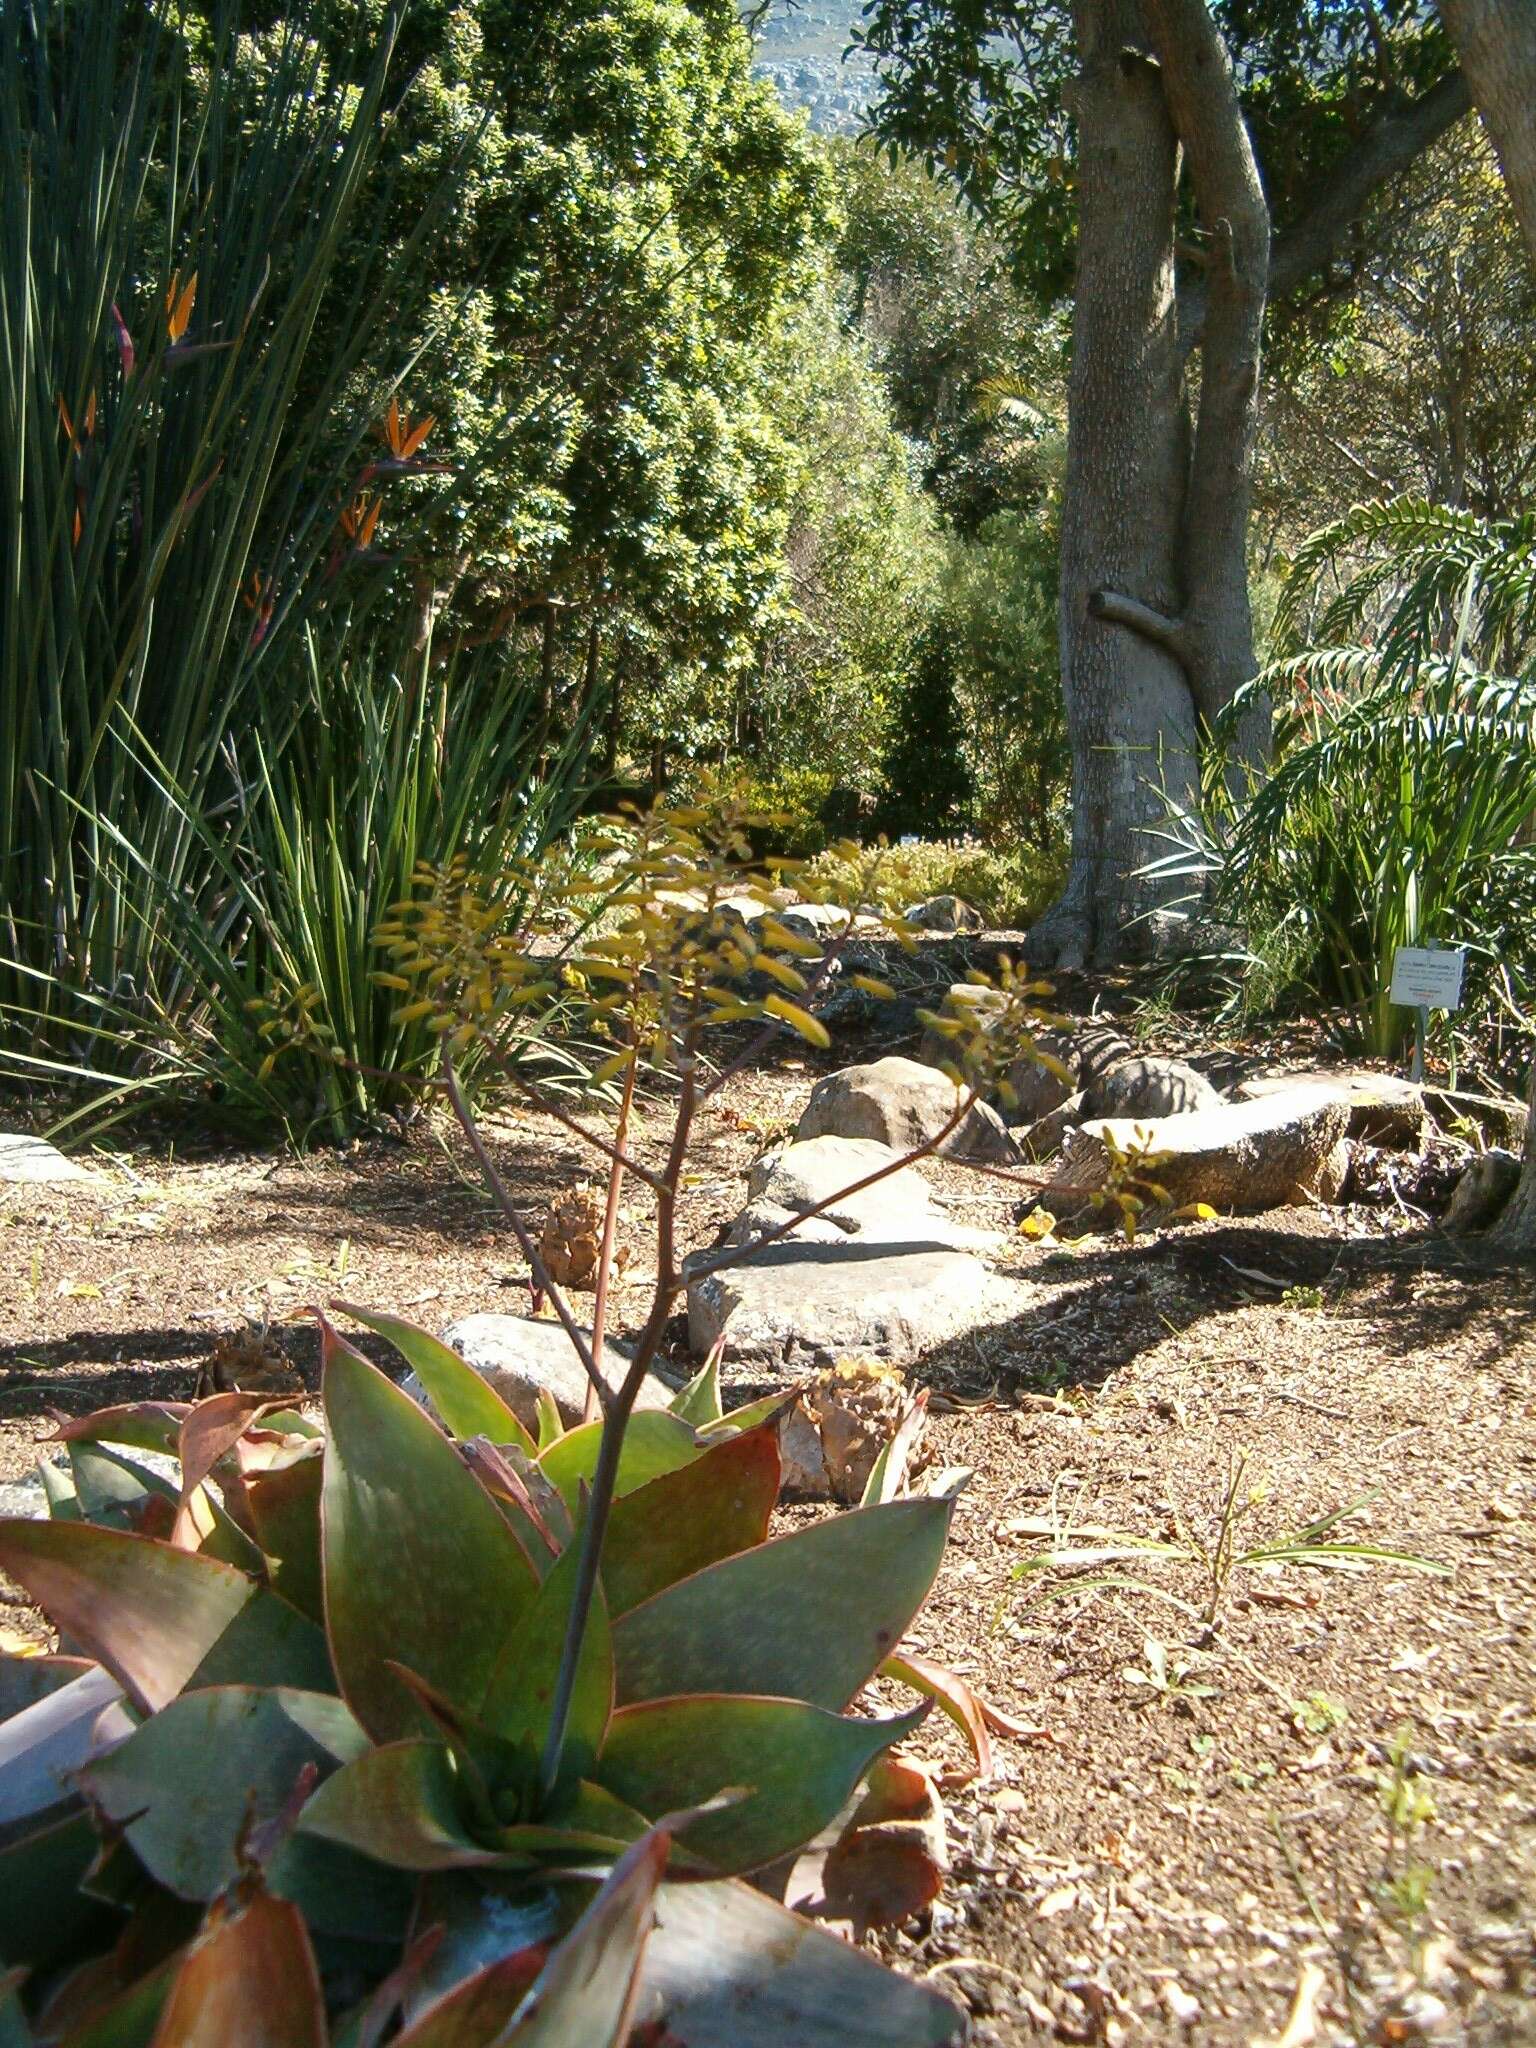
[(1208, 1857)]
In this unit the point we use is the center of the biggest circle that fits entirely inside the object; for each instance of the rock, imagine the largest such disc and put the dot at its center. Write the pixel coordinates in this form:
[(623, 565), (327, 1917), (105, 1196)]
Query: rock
[(1096, 1049), (883, 1271), (29, 1161), (797, 1305), (898, 1210), (1486, 1184), (519, 1355), (1034, 1089), (1334, 1175), (903, 1104), (1384, 1109), (947, 913), (1044, 1138), (830, 1439), (1149, 1088), (819, 921), (1268, 1154)]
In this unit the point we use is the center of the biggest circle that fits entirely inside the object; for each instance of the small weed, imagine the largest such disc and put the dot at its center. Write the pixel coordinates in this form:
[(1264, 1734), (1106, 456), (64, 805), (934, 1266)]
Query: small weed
[(1248, 1781), (1302, 1297), (1218, 1548), (1401, 1792), (1168, 1684), (1317, 1715)]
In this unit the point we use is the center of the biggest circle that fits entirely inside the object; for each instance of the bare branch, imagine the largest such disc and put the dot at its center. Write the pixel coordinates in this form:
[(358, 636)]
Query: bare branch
[(521, 1232), (1172, 635)]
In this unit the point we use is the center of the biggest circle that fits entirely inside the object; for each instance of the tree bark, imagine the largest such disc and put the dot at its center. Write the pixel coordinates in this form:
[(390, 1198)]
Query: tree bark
[(1496, 42), (1213, 540), (1517, 1226), (1130, 711), (1156, 626)]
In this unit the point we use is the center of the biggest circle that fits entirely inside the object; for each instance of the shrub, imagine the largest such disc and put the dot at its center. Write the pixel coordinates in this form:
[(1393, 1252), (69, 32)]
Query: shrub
[(1009, 887), (179, 442), (1400, 806)]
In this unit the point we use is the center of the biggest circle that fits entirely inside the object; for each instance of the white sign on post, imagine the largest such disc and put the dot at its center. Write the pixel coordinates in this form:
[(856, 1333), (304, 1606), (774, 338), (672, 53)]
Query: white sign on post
[(1428, 977)]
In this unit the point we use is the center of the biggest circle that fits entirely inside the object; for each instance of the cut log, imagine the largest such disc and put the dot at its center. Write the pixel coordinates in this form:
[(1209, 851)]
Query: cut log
[(1271, 1154)]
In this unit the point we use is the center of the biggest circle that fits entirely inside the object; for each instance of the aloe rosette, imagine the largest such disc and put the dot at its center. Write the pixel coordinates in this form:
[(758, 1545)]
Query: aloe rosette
[(305, 1709)]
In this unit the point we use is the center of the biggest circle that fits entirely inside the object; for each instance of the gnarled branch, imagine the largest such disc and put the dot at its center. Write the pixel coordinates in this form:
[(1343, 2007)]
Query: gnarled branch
[(1172, 635)]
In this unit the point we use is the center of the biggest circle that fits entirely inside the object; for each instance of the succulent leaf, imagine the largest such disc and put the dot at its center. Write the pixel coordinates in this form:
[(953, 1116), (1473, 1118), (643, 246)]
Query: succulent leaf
[(699, 1402), (782, 1620), (712, 1508), (797, 1763), (402, 1804), (468, 1404), (522, 1686), (250, 1977), (148, 1613), (654, 1442), (187, 1782), (284, 1508), (587, 1990), (420, 1567)]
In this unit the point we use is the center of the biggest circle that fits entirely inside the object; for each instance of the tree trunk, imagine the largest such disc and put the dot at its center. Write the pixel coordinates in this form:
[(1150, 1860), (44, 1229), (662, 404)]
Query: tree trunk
[(1517, 1226), (1496, 42), (1130, 712), (1216, 618)]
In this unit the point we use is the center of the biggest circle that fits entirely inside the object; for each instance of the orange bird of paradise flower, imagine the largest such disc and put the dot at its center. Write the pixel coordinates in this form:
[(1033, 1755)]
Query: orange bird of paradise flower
[(179, 301)]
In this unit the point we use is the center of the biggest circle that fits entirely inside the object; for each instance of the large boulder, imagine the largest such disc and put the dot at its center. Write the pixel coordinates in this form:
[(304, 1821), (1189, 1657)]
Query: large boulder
[(1283, 1150), (798, 1305), (899, 1208), (904, 1104), (1148, 1088), (522, 1356), (882, 1272)]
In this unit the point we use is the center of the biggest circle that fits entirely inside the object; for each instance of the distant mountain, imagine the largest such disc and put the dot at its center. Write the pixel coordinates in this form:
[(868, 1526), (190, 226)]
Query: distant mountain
[(800, 50)]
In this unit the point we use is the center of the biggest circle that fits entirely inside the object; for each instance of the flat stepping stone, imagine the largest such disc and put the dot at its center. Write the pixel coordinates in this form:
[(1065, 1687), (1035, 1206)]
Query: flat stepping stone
[(796, 1307)]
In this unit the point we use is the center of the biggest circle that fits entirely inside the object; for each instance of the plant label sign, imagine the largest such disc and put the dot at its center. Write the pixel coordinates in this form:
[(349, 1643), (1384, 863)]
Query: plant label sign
[(1428, 977)]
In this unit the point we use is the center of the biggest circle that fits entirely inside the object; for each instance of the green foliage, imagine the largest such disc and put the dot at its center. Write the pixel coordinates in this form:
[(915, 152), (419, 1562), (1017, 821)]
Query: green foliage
[(930, 291), (393, 758), (177, 443), (975, 89), (998, 625), (1009, 887), (633, 214), (1399, 808), (1422, 387), (862, 558)]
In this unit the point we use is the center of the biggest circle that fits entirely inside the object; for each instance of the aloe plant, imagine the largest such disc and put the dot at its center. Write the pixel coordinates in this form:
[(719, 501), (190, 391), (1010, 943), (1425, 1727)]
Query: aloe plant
[(377, 1612)]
